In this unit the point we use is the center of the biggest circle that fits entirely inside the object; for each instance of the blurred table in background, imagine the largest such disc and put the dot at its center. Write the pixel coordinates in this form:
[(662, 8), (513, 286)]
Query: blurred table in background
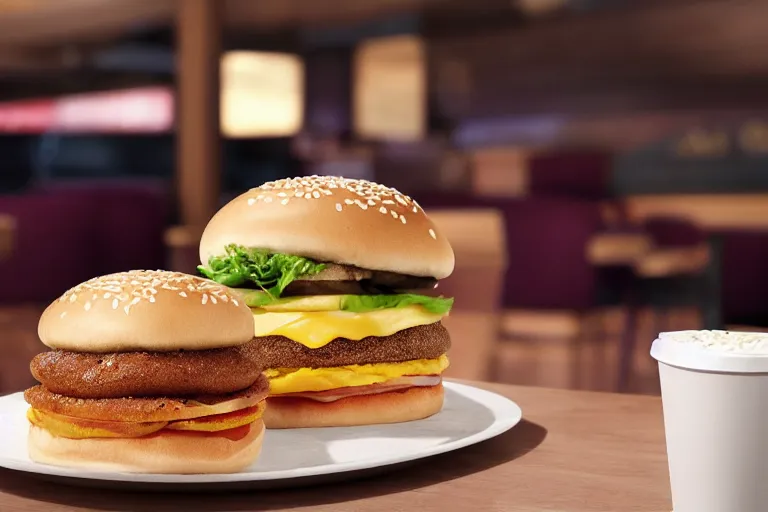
[(712, 212), (611, 249), (7, 235)]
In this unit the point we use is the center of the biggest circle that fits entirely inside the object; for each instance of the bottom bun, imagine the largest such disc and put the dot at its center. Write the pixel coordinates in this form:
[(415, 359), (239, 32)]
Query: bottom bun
[(393, 407), (154, 454)]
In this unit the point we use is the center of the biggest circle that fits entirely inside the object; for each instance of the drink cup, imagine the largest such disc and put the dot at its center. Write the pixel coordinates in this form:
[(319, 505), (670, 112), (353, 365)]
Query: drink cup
[(714, 387)]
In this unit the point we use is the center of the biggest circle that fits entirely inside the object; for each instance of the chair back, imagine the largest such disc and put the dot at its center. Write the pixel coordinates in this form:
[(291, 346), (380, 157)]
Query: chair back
[(478, 239)]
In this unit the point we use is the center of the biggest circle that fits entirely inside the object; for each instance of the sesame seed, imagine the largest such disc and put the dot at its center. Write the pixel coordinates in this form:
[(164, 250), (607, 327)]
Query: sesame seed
[(63, 314), (284, 202), (127, 289), (402, 219), (251, 201), (432, 233), (365, 193), (338, 207), (234, 301)]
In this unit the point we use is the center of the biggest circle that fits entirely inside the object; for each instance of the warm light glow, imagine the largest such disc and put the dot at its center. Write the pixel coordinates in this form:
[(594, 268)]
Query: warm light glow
[(12, 6), (390, 88), (139, 110), (262, 94)]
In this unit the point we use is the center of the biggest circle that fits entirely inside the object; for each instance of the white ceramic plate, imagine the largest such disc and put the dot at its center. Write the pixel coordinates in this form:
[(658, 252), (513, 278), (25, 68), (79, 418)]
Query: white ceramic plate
[(301, 456)]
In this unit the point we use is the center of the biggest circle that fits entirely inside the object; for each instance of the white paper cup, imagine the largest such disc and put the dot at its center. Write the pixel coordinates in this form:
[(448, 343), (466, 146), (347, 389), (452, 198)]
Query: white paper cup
[(714, 387)]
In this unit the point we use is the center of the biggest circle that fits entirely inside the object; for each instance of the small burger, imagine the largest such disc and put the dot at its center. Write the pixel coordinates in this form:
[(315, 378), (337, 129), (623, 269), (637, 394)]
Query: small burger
[(149, 372), (340, 275)]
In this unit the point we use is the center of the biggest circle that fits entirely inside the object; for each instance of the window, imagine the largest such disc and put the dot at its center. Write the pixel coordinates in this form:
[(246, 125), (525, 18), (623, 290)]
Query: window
[(262, 94), (390, 89)]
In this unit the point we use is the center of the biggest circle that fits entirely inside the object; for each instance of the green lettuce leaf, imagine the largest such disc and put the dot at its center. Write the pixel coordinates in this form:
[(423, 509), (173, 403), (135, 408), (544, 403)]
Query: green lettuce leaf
[(352, 303), (363, 303), (270, 272)]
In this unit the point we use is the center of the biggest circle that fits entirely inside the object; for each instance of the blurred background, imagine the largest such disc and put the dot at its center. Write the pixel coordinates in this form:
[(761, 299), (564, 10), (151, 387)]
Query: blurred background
[(600, 166)]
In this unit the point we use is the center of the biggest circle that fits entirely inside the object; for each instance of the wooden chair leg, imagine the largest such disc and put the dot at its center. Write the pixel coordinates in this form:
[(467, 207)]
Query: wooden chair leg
[(627, 349)]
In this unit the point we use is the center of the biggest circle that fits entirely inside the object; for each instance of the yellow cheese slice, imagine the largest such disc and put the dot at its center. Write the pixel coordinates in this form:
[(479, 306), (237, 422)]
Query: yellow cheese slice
[(300, 380), (314, 329)]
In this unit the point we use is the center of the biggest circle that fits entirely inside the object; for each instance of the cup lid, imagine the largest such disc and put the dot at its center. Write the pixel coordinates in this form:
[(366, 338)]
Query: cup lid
[(723, 351)]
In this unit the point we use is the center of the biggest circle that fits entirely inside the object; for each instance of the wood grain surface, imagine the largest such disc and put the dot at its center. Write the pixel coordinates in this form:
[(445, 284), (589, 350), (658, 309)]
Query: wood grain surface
[(574, 452)]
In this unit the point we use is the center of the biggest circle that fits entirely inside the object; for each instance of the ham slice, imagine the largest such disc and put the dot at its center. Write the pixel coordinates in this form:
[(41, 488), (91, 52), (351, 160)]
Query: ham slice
[(398, 384)]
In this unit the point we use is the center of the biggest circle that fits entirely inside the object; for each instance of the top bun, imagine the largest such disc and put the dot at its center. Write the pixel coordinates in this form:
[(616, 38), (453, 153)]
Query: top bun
[(143, 310), (332, 219)]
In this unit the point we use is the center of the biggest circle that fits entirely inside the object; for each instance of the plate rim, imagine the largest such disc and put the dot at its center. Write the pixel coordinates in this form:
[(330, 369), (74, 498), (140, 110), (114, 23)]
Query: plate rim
[(498, 427)]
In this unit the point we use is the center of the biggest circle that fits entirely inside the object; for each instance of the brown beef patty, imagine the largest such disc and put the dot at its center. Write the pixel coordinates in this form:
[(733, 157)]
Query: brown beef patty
[(421, 342), (142, 374)]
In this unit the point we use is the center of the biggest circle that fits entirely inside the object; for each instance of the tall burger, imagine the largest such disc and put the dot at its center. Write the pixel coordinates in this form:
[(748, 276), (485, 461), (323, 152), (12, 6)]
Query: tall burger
[(148, 372), (340, 275)]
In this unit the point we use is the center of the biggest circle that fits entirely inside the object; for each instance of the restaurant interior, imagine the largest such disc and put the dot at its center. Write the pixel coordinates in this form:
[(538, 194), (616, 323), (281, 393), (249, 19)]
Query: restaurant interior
[(599, 166)]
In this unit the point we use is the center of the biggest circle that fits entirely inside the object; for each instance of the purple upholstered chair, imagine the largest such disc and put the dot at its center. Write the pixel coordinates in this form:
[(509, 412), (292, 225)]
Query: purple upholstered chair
[(571, 174), (744, 273), (550, 286), (53, 248)]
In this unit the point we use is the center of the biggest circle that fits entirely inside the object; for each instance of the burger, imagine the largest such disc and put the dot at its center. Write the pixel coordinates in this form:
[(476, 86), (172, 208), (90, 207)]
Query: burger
[(148, 372), (340, 275)]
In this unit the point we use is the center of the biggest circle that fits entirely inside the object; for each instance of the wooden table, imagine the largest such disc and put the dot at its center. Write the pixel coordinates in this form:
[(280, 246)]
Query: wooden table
[(573, 452), (714, 212), (618, 249)]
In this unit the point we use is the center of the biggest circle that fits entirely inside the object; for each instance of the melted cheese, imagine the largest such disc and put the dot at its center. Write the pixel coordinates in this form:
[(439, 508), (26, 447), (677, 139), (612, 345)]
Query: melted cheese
[(314, 329), (292, 380)]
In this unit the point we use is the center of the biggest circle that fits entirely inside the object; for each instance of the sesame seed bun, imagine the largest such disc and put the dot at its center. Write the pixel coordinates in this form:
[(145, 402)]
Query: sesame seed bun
[(162, 453), (331, 219), (394, 407), (141, 310)]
